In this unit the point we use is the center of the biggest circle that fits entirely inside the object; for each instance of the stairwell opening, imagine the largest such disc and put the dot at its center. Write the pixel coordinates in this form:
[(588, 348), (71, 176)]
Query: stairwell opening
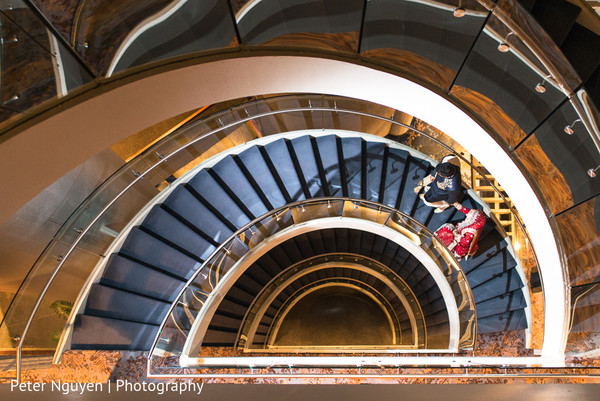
[(335, 316)]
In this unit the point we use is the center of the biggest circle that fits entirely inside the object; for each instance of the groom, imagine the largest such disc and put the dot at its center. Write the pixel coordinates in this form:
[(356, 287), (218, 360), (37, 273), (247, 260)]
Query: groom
[(442, 187)]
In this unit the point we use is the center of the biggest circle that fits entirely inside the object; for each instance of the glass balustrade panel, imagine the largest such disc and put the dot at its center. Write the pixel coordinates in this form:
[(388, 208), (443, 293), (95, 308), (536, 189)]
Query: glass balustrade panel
[(270, 225), (108, 217), (56, 306), (329, 25), (316, 209), (29, 69), (366, 211), (24, 301), (427, 39), (580, 229), (177, 156), (585, 326), (513, 86), (558, 156)]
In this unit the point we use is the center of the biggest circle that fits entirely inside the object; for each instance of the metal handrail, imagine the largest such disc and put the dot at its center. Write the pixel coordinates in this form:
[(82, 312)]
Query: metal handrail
[(277, 211), (584, 108), (592, 287), (538, 51), (377, 371), (165, 158), (353, 365)]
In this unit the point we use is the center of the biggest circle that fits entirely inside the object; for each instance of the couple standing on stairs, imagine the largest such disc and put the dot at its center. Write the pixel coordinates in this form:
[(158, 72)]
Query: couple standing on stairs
[(441, 189)]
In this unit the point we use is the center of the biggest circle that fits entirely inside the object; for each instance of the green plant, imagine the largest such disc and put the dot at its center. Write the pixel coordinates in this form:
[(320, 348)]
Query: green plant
[(62, 308)]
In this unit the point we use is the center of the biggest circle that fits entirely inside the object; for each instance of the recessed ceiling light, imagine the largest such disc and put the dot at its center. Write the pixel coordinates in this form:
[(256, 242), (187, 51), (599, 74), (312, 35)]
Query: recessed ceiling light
[(459, 12), (503, 47), (540, 88), (569, 128)]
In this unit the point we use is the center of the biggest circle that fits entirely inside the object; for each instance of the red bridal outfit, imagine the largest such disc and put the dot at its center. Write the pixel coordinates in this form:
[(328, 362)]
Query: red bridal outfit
[(462, 238)]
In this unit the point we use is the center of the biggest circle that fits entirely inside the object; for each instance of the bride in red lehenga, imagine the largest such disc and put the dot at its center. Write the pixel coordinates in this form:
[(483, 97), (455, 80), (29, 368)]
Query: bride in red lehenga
[(462, 238)]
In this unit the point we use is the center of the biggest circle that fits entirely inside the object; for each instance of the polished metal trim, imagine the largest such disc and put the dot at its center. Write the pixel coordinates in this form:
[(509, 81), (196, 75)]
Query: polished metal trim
[(519, 21), (364, 361), (592, 287), (151, 21), (469, 374), (588, 113)]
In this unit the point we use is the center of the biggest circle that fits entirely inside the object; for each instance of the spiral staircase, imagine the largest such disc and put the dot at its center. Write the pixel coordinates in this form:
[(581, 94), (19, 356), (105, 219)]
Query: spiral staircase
[(179, 234), (161, 252)]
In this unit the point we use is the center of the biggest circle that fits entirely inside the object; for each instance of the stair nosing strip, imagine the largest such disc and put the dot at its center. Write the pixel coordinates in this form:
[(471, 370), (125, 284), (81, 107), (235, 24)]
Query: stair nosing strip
[(211, 208), (263, 197)]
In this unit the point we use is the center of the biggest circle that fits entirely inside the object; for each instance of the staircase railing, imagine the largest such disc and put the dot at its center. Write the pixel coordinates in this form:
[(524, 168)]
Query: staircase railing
[(46, 266), (81, 242), (182, 328)]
